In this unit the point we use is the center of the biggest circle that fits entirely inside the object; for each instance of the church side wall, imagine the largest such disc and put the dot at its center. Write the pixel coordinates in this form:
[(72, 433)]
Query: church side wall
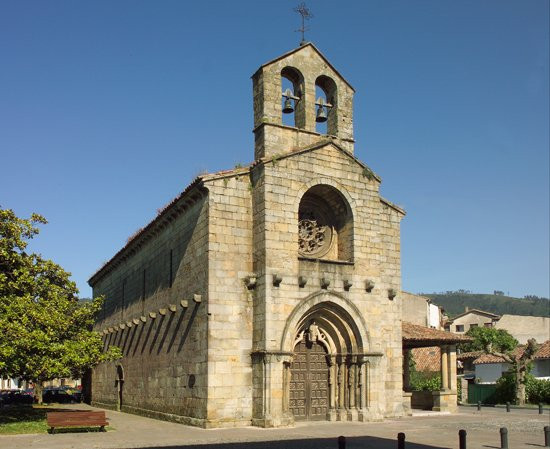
[(165, 357), (230, 302), (376, 257)]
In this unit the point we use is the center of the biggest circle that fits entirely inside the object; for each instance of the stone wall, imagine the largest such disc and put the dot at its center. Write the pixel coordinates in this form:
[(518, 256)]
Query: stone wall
[(230, 301), (278, 187), (164, 340)]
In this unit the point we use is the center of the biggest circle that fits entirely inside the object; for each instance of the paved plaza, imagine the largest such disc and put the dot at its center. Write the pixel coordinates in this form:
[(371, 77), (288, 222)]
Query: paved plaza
[(424, 431)]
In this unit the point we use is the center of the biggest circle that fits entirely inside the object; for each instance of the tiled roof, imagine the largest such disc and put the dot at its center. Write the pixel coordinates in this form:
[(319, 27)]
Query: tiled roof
[(414, 333), (543, 352), (469, 355), (427, 359)]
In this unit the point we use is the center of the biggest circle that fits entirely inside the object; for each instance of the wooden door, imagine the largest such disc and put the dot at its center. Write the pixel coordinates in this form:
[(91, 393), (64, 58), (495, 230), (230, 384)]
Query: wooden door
[(309, 382)]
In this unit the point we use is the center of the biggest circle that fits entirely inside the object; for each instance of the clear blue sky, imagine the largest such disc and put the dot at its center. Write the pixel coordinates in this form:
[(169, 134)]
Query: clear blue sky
[(108, 109)]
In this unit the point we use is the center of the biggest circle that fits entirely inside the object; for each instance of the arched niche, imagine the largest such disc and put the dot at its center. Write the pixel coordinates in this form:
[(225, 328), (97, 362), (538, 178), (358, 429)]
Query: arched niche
[(325, 224), (326, 88), (292, 78), (327, 375)]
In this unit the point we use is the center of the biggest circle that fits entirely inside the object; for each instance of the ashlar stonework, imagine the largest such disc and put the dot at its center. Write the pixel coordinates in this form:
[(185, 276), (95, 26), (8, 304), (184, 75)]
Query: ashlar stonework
[(266, 294)]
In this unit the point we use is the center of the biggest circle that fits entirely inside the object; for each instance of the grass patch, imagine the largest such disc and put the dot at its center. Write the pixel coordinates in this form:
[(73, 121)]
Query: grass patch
[(26, 419)]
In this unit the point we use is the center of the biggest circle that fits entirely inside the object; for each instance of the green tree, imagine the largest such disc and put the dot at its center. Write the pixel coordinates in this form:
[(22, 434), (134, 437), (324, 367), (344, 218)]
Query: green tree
[(45, 333), (521, 365), (499, 339)]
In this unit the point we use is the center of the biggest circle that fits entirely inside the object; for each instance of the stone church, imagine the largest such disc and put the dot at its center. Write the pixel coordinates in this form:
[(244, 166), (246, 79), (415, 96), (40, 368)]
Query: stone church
[(270, 293)]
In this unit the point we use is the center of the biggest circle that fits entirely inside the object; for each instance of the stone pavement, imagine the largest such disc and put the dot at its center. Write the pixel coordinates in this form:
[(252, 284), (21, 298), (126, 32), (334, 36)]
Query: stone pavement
[(424, 431)]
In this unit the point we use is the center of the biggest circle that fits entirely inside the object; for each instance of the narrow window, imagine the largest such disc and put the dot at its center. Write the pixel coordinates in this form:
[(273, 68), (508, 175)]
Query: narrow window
[(171, 270), (123, 298), (143, 287)]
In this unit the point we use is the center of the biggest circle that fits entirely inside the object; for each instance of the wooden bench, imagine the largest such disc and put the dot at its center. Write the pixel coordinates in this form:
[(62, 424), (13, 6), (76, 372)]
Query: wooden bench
[(77, 419)]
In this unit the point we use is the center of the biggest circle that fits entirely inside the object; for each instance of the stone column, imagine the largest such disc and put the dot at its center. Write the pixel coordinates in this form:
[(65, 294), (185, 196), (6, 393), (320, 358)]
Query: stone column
[(332, 386), (340, 398), (352, 389), (406, 370), (444, 369), (452, 367), (271, 381)]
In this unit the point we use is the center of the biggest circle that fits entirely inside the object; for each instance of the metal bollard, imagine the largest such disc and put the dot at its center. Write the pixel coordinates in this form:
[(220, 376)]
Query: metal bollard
[(503, 438), (341, 442), (400, 440), (462, 439), (546, 436), (541, 411), (478, 406), (507, 406)]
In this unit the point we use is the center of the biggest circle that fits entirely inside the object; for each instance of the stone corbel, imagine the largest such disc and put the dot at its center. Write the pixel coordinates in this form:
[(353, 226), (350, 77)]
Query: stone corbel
[(302, 281), (392, 293), (325, 283), (369, 285), (250, 282), (347, 284), (277, 280)]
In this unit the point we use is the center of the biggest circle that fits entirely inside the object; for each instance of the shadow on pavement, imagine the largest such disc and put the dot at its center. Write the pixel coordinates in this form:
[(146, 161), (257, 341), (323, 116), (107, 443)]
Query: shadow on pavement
[(364, 442)]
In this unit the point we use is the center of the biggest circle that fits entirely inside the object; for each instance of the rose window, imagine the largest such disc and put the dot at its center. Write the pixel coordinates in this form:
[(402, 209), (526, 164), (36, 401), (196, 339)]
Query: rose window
[(314, 238)]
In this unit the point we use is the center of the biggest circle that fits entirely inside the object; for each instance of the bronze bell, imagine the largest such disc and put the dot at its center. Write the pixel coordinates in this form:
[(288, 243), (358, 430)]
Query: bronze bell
[(321, 115), (287, 108)]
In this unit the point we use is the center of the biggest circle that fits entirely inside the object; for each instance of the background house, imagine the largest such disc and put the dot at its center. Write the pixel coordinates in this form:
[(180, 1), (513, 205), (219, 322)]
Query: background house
[(522, 328), (490, 368)]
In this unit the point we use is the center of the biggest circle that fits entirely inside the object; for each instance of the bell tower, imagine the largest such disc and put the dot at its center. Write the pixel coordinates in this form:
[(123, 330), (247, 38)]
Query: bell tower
[(307, 71)]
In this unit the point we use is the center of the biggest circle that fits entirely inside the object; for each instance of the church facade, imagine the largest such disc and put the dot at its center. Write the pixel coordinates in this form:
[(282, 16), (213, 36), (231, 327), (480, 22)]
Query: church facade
[(270, 293)]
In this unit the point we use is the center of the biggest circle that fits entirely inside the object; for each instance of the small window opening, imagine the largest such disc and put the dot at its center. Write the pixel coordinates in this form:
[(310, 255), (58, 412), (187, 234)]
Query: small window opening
[(326, 106), (292, 102), (171, 280), (321, 112)]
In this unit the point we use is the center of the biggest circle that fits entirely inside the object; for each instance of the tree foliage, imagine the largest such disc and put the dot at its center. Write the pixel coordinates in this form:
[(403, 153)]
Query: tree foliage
[(45, 333), (521, 365), (499, 339)]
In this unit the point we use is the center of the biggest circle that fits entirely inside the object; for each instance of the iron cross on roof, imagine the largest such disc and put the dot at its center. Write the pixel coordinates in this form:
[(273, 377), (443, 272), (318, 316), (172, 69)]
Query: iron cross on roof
[(306, 14)]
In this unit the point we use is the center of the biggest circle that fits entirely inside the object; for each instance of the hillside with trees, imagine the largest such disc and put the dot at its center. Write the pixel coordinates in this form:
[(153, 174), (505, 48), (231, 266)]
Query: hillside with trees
[(455, 302)]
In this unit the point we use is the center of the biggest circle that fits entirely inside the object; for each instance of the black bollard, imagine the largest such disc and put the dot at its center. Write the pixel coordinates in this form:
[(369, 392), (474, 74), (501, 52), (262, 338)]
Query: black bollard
[(341, 442), (503, 438), (546, 436), (400, 440), (478, 406), (507, 406), (462, 439), (541, 411)]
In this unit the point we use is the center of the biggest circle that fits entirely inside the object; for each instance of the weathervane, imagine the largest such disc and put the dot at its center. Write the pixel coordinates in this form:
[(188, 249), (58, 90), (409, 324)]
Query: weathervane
[(306, 14)]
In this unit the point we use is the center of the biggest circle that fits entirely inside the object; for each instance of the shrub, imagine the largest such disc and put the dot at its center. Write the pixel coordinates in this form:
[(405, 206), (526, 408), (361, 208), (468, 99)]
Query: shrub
[(536, 390), (420, 381)]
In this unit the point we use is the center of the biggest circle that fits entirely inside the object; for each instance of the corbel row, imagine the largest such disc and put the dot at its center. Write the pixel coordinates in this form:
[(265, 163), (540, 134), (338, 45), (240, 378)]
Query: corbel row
[(172, 308), (251, 282)]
